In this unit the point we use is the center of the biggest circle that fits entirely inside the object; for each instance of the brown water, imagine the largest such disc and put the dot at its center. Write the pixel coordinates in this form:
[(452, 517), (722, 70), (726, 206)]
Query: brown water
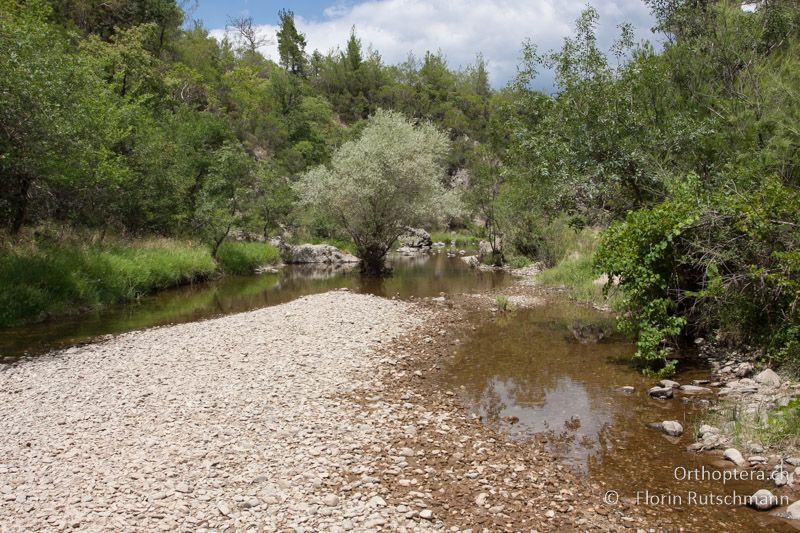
[(530, 364)]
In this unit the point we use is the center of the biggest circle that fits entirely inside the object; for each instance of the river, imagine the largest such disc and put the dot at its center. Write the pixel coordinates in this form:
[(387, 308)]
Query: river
[(533, 366)]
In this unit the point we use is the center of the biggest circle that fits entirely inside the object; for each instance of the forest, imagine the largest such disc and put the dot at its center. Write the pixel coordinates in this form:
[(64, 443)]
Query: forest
[(137, 149)]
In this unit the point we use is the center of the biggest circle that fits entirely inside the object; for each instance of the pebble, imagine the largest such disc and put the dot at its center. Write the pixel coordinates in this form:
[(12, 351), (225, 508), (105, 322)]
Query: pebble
[(220, 424)]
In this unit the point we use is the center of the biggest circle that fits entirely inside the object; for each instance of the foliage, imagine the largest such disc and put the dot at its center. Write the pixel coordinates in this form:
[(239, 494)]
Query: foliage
[(246, 257), (50, 279), (376, 186)]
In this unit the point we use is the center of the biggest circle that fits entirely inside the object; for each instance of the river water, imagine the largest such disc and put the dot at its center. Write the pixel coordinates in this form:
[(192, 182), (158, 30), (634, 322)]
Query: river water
[(546, 367)]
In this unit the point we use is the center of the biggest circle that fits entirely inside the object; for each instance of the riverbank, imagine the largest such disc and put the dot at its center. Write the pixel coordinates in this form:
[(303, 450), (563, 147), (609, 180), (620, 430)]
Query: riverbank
[(317, 414), (52, 278)]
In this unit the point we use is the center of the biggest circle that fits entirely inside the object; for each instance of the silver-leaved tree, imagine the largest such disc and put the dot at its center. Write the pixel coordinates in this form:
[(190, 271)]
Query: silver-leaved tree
[(376, 186)]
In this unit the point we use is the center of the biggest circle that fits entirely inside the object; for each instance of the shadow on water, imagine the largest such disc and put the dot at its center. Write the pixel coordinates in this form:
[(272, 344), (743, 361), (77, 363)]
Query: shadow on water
[(413, 276), (555, 371)]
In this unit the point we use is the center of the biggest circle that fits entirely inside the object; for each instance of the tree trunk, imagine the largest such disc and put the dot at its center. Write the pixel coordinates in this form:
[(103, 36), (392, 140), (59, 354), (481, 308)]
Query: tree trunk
[(372, 261), (20, 204)]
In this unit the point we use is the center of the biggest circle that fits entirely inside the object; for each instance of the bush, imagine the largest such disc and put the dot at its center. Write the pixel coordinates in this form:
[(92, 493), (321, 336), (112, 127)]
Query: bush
[(246, 257), (723, 261), (548, 241), (37, 282)]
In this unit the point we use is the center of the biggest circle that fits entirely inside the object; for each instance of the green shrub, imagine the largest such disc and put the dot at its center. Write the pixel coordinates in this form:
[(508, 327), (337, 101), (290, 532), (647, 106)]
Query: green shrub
[(246, 257), (517, 261), (724, 261)]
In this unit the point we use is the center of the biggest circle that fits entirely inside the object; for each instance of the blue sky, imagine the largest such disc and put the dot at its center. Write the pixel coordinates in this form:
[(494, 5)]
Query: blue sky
[(215, 13), (458, 28)]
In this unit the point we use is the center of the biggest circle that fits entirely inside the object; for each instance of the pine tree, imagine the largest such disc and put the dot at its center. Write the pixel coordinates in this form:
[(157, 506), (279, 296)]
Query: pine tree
[(291, 45)]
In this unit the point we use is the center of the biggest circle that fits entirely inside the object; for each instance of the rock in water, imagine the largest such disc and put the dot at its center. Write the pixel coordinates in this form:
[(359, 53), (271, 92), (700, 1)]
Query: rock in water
[(672, 428), (660, 393), (768, 377), (735, 456), (763, 500), (472, 260), (668, 383), (705, 429)]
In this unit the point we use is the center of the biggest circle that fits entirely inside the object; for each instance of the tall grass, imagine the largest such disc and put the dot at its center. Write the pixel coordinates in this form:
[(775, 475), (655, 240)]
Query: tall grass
[(246, 257), (53, 279), (576, 271)]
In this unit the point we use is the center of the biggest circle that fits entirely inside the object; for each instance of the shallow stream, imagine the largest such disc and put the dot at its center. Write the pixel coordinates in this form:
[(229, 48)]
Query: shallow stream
[(554, 371)]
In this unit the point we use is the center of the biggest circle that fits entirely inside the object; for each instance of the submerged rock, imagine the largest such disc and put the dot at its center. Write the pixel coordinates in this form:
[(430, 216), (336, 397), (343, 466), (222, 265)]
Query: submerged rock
[(763, 500)]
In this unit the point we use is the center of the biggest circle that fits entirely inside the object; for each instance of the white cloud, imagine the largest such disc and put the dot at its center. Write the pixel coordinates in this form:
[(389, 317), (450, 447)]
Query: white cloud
[(461, 28)]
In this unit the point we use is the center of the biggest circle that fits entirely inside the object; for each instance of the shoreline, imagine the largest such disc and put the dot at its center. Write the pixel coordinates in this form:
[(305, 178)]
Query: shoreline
[(318, 414)]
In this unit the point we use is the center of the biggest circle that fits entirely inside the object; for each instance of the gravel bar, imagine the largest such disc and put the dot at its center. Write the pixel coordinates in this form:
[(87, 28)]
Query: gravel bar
[(236, 423)]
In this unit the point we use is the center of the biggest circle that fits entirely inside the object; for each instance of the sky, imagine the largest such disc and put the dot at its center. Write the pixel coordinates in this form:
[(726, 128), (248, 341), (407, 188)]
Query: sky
[(458, 28)]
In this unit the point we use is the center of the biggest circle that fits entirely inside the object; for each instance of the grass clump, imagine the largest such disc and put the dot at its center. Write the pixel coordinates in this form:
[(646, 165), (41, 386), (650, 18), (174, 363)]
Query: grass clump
[(575, 272), (502, 303), (246, 257), (41, 281)]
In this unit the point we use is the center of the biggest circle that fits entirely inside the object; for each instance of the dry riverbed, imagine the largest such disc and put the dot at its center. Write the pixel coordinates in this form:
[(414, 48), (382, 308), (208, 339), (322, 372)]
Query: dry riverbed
[(321, 414)]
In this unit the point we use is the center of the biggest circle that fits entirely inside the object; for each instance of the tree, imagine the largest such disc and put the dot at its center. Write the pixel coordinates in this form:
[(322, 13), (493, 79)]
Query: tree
[(376, 186), (58, 120), (291, 45), (248, 35), (223, 195)]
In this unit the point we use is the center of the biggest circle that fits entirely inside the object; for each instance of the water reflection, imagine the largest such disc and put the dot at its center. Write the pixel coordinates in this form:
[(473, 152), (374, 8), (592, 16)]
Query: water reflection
[(414, 276), (545, 370)]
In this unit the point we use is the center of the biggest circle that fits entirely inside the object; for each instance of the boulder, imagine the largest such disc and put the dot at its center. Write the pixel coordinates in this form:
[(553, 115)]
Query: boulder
[(660, 393), (768, 377), (316, 253), (669, 383), (416, 238), (763, 500)]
